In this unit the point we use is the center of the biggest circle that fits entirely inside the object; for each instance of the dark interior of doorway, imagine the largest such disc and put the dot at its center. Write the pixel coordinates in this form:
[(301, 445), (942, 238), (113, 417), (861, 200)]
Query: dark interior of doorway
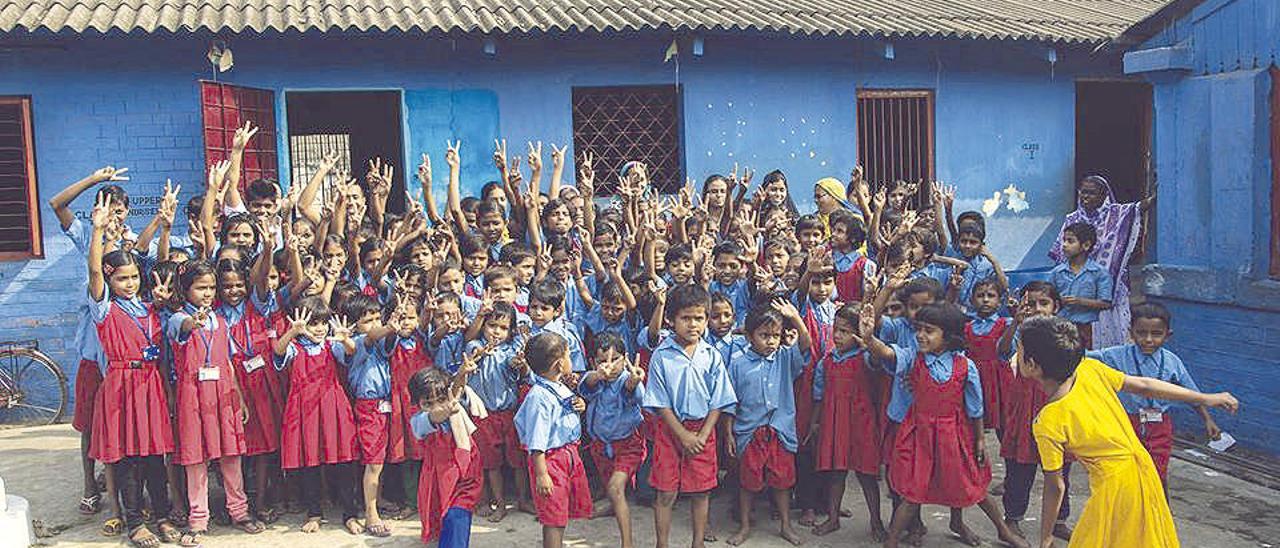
[(371, 119), (1113, 135)]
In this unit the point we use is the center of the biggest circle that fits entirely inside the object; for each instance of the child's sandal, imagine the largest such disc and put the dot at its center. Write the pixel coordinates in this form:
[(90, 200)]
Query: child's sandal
[(113, 527), (90, 505), (251, 526), (192, 538), (379, 530), (141, 537), (167, 532)]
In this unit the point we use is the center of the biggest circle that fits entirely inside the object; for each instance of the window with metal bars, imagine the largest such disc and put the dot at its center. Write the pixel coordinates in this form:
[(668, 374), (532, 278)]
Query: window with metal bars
[(225, 108), (895, 135), (19, 212), (618, 124), (306, 151)]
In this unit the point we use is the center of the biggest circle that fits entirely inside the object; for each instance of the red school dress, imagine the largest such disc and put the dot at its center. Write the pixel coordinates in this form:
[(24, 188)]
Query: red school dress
[(849, 438), (933, 454), (850, 283), (993, 372), (209, 425), (252, 360), (1022, 400), (451, 477), (401, 445), (131, 411), (819, 343), (319, 426)]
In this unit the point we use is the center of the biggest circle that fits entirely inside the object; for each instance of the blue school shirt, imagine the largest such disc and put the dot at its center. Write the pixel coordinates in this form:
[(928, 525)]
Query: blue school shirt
[(448, 353), (980, 268), (1162, 364), (981, 325), (173, 328), (845, 261), (421, 425), (738, 294), (574, 308), (613, 412), (763, 386), (1092, 282), (642, 338), (625, 328), (475, 284), (570, 334), (898, 331), (86, 338), (337, 350), (690, 385), (546, 420), (724, 345), (935, 270), (95, 312), (383, 294), (494, 380), (369, 375), (820, 370), (470, 307), (939, 366)]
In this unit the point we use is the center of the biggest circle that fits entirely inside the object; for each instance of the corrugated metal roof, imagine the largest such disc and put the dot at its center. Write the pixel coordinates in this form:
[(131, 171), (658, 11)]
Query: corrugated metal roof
[(1053, 20)]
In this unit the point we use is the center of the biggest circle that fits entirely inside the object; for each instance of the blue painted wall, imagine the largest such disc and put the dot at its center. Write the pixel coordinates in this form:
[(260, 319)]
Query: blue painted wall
[(764, 101), (1212, 219)]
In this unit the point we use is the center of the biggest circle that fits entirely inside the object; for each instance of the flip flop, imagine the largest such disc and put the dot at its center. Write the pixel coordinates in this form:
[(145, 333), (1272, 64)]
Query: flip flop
[(251, 526), (191, 539), (167, 532), (90, 505), (141, 537), (113, 527), (379, 530)]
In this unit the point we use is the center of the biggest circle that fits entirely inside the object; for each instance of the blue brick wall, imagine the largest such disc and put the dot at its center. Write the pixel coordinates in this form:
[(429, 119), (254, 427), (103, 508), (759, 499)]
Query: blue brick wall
[(763, 101)]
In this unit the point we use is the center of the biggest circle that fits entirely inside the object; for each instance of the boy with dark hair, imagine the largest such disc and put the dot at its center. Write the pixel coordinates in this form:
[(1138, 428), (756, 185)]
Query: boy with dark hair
[(1086, 287), (546, 313)]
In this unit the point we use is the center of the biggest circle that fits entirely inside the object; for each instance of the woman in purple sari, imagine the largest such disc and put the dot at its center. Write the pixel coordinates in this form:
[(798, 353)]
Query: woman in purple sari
[(1118, 226)]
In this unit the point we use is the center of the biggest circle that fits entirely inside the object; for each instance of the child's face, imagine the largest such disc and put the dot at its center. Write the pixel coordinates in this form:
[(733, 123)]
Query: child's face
[(840, 236), (986, 300), (124, 281), (776, 258), (969, 245), (525, 270), (264, 208), (476, 262), (273, 278), (721, 318), (408, 320), (420, 256), (826, 202), (499, 196), (1149, 334), (178, 256), (316, 330), (821, 288), (450, 280), (501, 290), (844, 335), (660, 248), (1038, 303), (202, 291), (894, 308), (491, 226), (915, 302), (447, 316), (689, 323), (605, 354), (606, 245), (368, 322), (497, 329), (540, 313), (915, 251), (232, 288), (612, 310), (930, 338), (559, 220), (766, 339), (715, 193), (413, 285), (728, 268), (776, 192), (370, 260), (681, 270), (240, 234), (335, 257), (898, 197), (809, 238), (303, 229), (561, 264), (1072, 247)]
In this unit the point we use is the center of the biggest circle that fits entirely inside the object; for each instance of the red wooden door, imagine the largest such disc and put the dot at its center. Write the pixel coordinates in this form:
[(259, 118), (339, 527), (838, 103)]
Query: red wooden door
[(225, 107)]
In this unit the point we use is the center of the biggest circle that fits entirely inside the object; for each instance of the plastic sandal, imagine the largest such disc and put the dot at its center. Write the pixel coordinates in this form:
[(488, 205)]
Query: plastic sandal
[(167, 532), (90, 505), (113, 527), (191, 539), (379, 530), (141, 537), (250, 525)]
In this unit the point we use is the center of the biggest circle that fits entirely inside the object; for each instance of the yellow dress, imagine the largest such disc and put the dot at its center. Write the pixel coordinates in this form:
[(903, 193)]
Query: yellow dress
[(1126, 505)]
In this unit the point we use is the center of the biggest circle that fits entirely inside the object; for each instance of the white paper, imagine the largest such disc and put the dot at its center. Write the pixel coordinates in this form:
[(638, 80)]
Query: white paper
[(1223, 443)]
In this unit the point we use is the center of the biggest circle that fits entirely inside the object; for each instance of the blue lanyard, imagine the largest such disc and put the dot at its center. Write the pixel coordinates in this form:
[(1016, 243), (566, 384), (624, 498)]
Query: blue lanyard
[(248, 337), (208, 350), (146, 332), (1138, 358)]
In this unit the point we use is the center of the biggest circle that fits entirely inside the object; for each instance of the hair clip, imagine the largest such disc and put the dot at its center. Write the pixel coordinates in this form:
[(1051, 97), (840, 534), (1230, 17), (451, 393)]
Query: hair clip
[(108, 269)]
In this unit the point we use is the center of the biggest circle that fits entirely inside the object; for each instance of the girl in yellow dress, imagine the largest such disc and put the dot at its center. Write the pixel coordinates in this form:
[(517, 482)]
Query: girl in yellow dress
[(1083, 417)]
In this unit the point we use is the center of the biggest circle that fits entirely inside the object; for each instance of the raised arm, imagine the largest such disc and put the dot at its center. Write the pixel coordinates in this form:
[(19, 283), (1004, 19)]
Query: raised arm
[(307, 199), (62, 200), (1160, 390), (455, 197), (424, 179), (217, 180), (101, 217), (557, 169), (238, 143)]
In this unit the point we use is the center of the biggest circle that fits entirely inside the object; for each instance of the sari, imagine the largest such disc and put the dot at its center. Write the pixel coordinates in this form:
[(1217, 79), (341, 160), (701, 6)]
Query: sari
[(1118, 226)]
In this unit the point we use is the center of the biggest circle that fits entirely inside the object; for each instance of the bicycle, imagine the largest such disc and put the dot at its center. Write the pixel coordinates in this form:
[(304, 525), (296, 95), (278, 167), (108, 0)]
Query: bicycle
[(33, 389)]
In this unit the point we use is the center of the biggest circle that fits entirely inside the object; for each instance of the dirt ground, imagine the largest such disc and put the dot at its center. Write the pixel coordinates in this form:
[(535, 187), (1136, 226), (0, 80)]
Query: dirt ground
[(42, 464)]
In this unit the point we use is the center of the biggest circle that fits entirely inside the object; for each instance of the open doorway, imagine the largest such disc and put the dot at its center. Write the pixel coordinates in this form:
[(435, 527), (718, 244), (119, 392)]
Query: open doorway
[(1113, 139), (360, 125)]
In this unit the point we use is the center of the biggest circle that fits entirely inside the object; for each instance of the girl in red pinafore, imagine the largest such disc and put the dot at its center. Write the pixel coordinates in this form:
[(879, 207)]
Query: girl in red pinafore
[(251, 359), (818, 308), (846, 423), (319, 427), (131, 431), (211, 407), (939, 456), (982, 335), (452, 477)]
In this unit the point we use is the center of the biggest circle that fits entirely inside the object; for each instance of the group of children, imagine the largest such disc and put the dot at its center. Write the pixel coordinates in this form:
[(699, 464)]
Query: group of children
[(673, 344)]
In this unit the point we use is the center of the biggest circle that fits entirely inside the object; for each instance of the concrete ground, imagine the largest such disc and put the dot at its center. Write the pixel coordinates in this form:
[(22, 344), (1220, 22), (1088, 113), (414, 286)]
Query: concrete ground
[(42, 464)]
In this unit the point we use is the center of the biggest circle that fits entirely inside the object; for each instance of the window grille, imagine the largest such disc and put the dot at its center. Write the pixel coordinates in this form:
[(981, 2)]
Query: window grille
[(895, 136), (622, 123)]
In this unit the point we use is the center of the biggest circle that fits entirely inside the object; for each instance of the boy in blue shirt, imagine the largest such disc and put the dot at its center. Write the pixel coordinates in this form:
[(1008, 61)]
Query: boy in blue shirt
[(729, 279), (687, 388), (546, 307), (1146, 356), (614, 390), (550, 428), (369, 378), (762, 426), (1086, 287), (970, 241)]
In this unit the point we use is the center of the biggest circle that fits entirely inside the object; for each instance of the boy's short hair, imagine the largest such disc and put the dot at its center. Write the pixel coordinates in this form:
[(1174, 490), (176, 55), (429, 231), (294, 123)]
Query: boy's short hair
[(548, 292), (760, 316), (469, 204), (679, 252), (923, 284), (358, 306), (1084, 232), (606, 340), (973, 217), (488, 206), (1041, 286), (975, 230), (515, 253), (928, 239), (610, 292), (822, 274), (429, 383), (117, 194), (809, 222), (987, 281), (727, 247), (543, 350), (1054, 344), (853, 226), (194, 205), (261, 189), (316, 306), (1152, 311), (488, 188), (470, 244), (718, 297), (369, 246), (784, 243), (686, 296), (850, 312), (499, 272)]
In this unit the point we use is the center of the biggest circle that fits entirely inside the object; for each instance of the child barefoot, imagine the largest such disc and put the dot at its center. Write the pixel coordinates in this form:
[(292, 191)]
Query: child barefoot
[(614, 390)]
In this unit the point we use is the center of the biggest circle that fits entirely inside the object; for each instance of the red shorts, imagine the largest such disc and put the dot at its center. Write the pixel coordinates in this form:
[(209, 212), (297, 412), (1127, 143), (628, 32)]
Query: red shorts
[(570, 496), (1157, 437), (372, 427), (673, 471), (496, 438), (766, 462), (88, 378), (628, 453)]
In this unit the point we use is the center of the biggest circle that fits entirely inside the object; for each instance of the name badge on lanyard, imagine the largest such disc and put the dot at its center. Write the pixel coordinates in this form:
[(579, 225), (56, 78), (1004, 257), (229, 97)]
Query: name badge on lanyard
[(384, 406), (209, 371), (209, 374), (1150, 415), (253, 364)]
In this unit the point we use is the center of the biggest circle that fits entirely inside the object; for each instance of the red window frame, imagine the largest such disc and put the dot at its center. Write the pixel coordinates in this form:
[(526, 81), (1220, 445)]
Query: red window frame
[(20, 202), (224, 108)]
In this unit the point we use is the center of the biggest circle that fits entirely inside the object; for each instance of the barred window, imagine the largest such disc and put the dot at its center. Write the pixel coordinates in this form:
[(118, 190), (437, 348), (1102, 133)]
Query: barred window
[(225, 108), (895, 135), (19, 212), (306, 152), (618, 124)]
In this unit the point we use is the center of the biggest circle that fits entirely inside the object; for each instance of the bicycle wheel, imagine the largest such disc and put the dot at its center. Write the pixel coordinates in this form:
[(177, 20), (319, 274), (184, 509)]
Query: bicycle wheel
[(33, 388)]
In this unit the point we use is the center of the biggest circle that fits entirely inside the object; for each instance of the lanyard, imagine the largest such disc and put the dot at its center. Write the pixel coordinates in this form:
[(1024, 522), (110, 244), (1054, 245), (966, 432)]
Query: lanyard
[(1138, 358), (248, 338), (208, 350), (146, 332)]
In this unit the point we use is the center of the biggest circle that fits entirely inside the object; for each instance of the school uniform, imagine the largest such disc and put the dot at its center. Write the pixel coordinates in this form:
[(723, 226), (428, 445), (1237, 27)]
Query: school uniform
[(895, 332), (547, 424), (938, 271), (764, 422), (982, 335), (447, 354), (1092, 282), (1020, 403), (738, 294), (251, 356), (725, 345), (1150, 417), (449, 484), (613, 421), (562, 327), (852, 270), (318, 427), (93, 362), (936, 396), (408, 356), (596, 324), (369, 378), (691, 385), (846, 392), (473, 285), (980, 268), (496, 383), (574, 308)]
